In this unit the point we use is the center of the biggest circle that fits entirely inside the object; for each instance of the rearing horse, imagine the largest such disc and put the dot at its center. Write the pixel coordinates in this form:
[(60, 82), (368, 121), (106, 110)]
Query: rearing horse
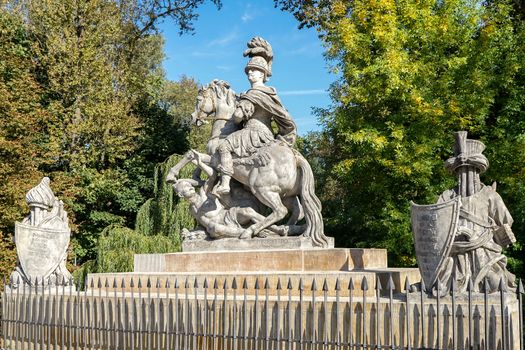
[(283, 175)]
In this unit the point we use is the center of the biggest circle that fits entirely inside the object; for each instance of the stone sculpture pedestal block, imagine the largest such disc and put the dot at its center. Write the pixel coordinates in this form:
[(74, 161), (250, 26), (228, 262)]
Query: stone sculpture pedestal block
[(276, 260)]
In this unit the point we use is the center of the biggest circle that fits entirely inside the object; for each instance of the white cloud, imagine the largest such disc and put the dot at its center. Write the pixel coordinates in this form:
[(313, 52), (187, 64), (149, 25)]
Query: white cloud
[(248, 14), (225, 40), (303, 92), (246, 17)]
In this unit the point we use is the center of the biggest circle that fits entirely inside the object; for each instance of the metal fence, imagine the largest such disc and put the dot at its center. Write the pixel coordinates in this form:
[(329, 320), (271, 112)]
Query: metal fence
[(204, 313)]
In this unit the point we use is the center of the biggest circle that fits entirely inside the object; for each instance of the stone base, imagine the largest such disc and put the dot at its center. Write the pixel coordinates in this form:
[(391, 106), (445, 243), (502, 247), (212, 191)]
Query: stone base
[(335, 259), (235, 244)]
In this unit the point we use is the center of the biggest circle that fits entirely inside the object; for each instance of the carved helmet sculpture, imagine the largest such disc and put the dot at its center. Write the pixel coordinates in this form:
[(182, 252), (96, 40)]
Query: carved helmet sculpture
[(467, 152), (261, 56)]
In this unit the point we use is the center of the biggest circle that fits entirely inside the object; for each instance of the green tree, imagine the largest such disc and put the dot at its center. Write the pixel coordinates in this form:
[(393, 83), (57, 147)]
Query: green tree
[(411, 73), (22, 142), (99, 63), (162, 217)]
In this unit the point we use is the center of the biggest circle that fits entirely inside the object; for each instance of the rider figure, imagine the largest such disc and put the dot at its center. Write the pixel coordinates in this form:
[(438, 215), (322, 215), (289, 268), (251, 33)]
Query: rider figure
[(257, 108)]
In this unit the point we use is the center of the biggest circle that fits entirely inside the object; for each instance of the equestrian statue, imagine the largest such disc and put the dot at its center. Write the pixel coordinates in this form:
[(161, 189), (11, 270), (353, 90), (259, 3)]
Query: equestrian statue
[(256, 184)]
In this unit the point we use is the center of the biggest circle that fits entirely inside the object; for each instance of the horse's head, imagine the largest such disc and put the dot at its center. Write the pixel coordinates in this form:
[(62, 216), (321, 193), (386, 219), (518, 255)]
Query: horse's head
[(204, 106), (215, 101)]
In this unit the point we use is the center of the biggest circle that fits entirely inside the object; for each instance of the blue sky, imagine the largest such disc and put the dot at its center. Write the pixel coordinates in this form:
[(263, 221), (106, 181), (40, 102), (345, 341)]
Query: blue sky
[(300, 73)]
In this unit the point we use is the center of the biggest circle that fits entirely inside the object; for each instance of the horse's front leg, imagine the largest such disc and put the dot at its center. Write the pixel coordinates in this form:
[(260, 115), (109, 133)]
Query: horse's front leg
[(173, 174), (274, 202)]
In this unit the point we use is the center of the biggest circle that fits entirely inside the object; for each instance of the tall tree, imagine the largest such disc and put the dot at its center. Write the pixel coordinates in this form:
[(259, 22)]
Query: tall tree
[(97, 65), (22, 118), (412, 72)]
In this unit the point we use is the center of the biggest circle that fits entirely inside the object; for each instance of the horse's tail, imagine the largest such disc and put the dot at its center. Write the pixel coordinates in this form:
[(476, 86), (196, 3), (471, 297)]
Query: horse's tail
[(311, 204)]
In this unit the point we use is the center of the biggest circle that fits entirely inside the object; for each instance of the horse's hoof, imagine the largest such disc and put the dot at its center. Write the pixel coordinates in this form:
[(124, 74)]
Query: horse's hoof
[(221, 191), (246, 234)]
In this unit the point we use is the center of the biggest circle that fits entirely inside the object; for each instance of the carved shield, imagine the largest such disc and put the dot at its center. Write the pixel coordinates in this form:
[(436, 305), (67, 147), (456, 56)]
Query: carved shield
[(40, 250), (434, 227)]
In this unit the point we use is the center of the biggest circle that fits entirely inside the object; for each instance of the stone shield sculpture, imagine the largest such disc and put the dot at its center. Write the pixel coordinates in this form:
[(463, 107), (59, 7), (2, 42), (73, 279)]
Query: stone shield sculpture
[(40, 250), (434, 227), (42, 240)]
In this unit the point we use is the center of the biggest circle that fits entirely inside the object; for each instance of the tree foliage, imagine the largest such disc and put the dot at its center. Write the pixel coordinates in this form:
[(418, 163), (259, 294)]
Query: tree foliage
[(412, 73), (84, 101), (22, 144)]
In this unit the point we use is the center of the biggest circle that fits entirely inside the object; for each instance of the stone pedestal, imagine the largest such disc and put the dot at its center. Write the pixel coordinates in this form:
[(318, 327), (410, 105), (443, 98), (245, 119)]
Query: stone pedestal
[(275, 260)]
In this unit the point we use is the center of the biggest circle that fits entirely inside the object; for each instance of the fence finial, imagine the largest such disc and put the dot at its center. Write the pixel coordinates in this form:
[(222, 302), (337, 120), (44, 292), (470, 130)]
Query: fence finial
[(364, 284), (351, 284), (379, 287), (390, 284), (337, 284), (234, 283), (470, 285), (314, 285), (325, 286), (502, 285)]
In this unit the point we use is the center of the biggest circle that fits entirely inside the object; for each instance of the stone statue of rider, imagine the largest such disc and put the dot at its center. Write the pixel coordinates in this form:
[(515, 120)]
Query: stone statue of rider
[(256, 110)]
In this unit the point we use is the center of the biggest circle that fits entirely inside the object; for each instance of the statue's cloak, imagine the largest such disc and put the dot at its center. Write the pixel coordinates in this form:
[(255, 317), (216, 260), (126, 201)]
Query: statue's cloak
[(266, 97)]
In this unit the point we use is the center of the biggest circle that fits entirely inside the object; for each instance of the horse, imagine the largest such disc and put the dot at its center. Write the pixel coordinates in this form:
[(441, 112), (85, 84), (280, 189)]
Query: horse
[(283, 181)]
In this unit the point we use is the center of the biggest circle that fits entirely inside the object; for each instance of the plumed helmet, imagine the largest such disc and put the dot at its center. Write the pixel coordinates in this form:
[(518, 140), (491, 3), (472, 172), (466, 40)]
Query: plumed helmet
[(258, 62), (261, 55), (467, 153)]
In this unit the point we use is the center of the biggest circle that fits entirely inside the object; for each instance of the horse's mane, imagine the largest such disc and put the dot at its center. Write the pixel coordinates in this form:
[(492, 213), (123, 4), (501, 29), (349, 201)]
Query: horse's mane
[(221, 89)]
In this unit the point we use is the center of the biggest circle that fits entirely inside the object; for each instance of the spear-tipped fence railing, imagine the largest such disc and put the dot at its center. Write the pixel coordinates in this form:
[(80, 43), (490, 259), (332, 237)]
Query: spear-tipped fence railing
[(273, 313)]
